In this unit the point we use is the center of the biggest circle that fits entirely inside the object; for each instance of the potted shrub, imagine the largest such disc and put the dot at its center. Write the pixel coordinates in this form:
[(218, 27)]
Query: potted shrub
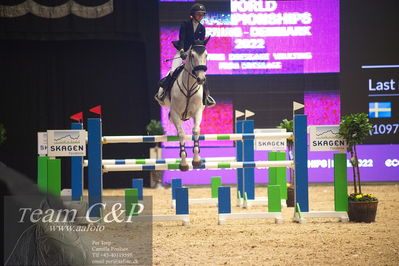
[(354, 128), (155, 128), (288, 125)]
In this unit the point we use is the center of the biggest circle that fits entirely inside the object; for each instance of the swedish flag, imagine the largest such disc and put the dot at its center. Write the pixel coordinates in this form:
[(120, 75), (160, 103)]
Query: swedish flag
[(380, 109)]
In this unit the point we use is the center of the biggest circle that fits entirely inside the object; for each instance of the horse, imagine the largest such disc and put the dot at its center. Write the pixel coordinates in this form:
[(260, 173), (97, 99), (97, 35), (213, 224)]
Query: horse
[(186, 101)]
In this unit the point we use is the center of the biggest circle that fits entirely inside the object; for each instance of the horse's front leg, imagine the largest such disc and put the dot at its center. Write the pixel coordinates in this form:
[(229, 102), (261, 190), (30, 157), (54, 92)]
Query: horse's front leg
[(197, 163), (183, 154)]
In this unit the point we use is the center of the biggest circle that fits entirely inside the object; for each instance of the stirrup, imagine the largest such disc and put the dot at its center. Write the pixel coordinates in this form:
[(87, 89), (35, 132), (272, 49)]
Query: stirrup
[(210, 102), (160, 99)]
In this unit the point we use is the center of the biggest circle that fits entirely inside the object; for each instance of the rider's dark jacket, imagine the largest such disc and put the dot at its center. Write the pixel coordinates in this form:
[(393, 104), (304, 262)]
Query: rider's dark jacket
[(187, 36)]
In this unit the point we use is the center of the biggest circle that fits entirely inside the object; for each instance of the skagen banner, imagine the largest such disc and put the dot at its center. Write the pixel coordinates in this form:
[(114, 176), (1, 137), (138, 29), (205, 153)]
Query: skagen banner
[(270, 145), (42, 143), (65, 143), (326, 138)]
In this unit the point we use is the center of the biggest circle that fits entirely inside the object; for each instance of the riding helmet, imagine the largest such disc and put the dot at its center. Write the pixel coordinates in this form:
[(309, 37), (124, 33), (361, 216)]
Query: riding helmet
[(197, 7)]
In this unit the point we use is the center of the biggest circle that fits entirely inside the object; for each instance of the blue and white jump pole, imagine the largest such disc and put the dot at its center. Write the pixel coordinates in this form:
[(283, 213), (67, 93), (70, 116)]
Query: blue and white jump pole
[(245, 153), (95, 181), (77, 171), (301, 162)]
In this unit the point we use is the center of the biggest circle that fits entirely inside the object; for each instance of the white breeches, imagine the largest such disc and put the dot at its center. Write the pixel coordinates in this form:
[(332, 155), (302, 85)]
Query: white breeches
[(176, 62)]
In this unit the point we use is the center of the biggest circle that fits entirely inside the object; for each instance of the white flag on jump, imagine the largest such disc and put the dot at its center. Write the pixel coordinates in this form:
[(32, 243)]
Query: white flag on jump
[(297, 106), (248, 113), (238, 113)]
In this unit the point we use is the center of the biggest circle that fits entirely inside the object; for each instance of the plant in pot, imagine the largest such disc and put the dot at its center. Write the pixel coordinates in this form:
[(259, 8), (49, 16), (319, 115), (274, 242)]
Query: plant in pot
[(288, 125), (354, 128), (155, 128)]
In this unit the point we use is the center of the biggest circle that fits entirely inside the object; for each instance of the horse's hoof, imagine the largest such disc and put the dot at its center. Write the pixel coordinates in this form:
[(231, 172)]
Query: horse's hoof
[(197, 164), (183, 168)]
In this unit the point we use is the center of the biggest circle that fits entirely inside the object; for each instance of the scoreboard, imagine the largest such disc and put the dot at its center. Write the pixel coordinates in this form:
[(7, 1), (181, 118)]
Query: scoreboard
[(383, 99), (370, 66)]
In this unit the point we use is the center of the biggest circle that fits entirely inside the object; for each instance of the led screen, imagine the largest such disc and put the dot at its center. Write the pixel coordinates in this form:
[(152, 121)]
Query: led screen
[(322, 108), (263, 37)]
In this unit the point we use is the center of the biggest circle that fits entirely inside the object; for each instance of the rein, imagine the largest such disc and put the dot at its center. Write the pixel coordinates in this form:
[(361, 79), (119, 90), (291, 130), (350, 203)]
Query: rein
[(190, 92)]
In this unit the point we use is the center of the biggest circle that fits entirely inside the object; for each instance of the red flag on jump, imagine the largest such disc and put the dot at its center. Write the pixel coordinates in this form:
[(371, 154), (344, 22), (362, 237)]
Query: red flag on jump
[(77, 117), (96, 110)]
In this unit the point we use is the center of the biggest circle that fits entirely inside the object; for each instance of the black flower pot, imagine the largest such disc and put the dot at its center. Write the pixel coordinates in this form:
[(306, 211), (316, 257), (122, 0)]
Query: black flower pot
[(290, 201), (362, 211)]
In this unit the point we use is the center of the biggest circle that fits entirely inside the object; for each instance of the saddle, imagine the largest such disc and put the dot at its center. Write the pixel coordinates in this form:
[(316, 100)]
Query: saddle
[(167, 82)]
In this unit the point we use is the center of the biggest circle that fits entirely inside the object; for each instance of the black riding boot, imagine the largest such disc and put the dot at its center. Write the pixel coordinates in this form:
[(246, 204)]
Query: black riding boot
[(207, 99), (166, 84)]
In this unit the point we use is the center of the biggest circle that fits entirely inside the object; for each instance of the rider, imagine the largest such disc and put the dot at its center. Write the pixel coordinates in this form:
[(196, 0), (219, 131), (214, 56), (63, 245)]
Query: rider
[(190, 30)]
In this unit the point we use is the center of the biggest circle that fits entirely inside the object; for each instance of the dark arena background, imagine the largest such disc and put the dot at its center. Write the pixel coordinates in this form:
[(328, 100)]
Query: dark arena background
[(59, 58)]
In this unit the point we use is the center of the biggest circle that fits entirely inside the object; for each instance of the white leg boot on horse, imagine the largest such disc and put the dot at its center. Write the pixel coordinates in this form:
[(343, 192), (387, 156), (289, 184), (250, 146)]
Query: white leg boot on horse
[(197, 163), (175, 119)]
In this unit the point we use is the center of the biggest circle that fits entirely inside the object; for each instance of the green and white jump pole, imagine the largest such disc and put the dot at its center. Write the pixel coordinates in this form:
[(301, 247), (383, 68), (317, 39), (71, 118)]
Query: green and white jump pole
[(210, 165), (160, 138), (159, 161)]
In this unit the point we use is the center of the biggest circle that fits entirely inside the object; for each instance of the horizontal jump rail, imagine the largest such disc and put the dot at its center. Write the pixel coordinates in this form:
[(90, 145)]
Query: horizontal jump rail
[(161, 138), (159, 161), (209, 165)]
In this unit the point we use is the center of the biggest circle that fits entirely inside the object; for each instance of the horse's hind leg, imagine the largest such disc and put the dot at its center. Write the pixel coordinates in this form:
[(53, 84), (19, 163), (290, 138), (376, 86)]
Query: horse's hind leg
[(183, 155), (197, 163)]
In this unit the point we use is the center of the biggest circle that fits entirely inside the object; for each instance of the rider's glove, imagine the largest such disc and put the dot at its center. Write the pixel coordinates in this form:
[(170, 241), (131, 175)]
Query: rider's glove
[(183, 55)]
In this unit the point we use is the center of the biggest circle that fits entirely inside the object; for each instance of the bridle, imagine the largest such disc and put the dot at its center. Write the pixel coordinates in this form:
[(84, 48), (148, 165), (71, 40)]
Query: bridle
[(187, 90), (200, 47)]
